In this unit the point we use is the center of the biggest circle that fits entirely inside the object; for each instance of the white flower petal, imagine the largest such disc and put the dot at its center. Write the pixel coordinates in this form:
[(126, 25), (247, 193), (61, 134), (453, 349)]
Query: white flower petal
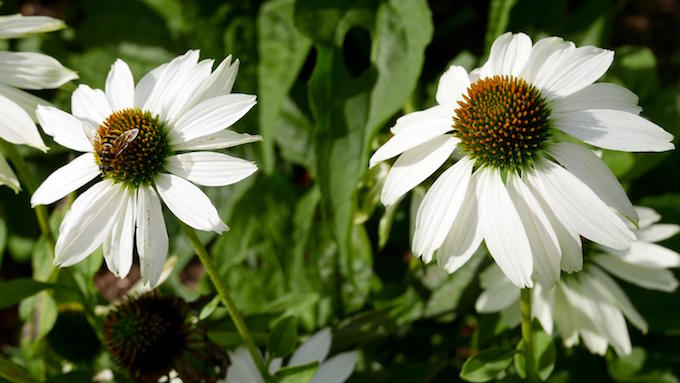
[(598, 96), (499, 293), (195, 77), (414, 120), (414, 166), (615, 294), (594, 342), (541, 307), (647, 216), (219, 140), (647, 277), (337, 369), (66, 130), (578, 207), (199, 214), (545, 246), (452, 85), (17, 127), (90, 105), (648, 255), (570, 69), (120, 86), (243, 368), (509, 54), (209, 168), (658, 232), (592, 171), (171, 79), (219, 83), (88, 223), (30, 70), (152, 237), (13, 26), (465, 235), (25, 100), (540, 53), (440, 207), (564, 317), (119, 243), (66, 179), (614, 130), (211, 116), (504, 232), (147, 84), (7, 176), (316, 348)]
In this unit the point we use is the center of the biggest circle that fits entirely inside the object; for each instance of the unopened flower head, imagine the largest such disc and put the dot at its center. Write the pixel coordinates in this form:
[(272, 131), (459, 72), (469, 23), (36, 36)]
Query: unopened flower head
[(519, 184), (25, 70), (150, 142), (589, 305), (337, 369)]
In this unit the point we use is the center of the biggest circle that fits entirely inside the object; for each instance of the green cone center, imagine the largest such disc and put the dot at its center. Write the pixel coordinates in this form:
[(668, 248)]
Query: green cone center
[(131, 146), (502, 121)]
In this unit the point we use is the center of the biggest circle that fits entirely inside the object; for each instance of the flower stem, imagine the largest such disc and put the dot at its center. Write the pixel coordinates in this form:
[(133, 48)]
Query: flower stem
[(226, 299), (29, 183), (527, 335)]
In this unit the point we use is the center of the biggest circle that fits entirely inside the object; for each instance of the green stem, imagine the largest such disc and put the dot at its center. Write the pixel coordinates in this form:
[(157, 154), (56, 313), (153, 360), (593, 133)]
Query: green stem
[(527, 335), (226, 299), (24, 173)]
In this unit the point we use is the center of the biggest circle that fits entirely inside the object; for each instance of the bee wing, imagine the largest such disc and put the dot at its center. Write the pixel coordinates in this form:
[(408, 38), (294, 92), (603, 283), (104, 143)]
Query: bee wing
[(122, 142)]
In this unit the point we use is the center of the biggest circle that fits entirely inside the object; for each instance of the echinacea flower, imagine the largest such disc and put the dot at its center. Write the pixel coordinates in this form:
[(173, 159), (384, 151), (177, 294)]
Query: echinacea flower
[(155, 139), (334, 370), (519, 182), (589, 304), (25, 70)]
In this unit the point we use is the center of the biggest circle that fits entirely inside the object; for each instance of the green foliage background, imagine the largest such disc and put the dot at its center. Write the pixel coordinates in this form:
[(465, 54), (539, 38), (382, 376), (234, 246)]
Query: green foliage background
[(309, 237)]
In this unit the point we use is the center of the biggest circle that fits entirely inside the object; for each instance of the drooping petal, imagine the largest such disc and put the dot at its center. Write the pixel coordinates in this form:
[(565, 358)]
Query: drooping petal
[(7, 176), (220, 140), (120, 86), (119, 243), (211, 116), (542, 307), (648, 255), (243, 368), (498, 293), (337, 369), (647, 216), (593, 172), (570, 69), (598, 96), (564, 317), (152, 237), (615, 294), (614, 130), (90, 105), (440, 207), (414, 166), (30, 70), (210, 168), (66, 130), (465, 235), (647, 277), (25, 100), (13, 26), (316, 348), (199, 214), (88, 223), (452, 85), (578, 207), (658, 232), (509, 54), (503, 230), (17, 127), (545, 246), (66, 179)]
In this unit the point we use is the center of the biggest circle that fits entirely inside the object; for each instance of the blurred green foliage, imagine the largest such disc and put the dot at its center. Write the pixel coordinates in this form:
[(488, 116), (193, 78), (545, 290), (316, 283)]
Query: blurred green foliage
[(310, 244)]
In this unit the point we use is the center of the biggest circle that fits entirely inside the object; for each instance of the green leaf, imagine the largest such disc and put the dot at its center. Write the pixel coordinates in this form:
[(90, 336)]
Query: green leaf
[(297, 374), (3, 238), (487, 364), (13, 372), (16, 290), (40, 313), (544, 355), (318, 18), (626, 366), (209, 308), (282, 51), (499, 17), (283, 337)]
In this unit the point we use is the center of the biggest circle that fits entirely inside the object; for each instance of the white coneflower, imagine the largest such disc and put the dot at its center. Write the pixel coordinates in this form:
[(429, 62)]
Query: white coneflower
[(589, 304), (155, 139), (25, 70), (334, 370), (518, 183)]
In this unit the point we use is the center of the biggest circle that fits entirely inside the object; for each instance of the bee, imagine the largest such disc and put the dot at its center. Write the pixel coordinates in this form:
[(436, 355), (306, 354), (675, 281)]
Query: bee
[(109, 151)]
